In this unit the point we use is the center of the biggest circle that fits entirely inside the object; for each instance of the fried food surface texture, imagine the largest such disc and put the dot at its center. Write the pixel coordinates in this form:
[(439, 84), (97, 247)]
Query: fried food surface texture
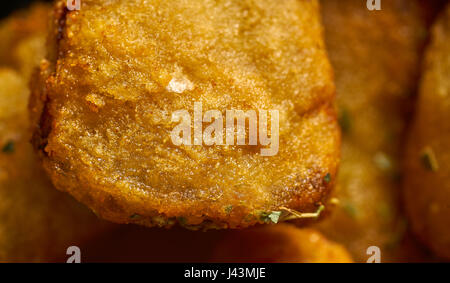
[(118, 70), (376, 58), (427, 158), (37, 223), (279, 243)]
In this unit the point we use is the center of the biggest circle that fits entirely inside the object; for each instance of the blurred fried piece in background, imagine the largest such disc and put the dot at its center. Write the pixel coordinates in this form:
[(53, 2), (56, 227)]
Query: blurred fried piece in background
[(427, 159), (37, 222), (22, 38), (135, 243), (272, 243), (279, 243), (376, 57)]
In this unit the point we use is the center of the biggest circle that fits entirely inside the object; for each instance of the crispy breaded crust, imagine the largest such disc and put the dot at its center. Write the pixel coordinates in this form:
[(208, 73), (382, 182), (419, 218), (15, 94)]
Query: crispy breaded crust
[(103, 107), (427, 159)]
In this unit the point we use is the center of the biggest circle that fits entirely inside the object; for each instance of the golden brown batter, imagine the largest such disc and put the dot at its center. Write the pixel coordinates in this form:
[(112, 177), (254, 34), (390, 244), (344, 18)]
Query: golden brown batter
[(115, 74)]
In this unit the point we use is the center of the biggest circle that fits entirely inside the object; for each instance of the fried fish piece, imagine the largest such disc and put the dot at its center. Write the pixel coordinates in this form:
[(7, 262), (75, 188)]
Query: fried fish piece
[(282, 243), (375, 55), (118, 70), (37, 223), (427, 157)]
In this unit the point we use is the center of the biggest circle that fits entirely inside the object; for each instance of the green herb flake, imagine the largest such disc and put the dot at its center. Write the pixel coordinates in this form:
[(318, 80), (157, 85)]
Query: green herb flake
[(270, 217), (350, 209), (275, 216), (182, 220), (345, 121), (249, 218), (9, 147), (264, 216), (228, 209), (383, 161), (429, 160), (327, 178), (135, 216)]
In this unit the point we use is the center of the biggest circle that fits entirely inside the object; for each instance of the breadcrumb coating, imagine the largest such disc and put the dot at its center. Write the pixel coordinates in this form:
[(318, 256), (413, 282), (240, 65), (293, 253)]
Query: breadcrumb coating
[(117, 70)]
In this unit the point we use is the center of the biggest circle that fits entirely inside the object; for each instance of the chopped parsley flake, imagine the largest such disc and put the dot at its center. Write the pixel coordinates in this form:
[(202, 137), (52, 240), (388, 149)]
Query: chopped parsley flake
[(182, 220), (8, 147), (275, 216), (345, 121), (228, 209), (429, 160), (135, 216), (327, 178), (383, 161), (350, 209), (270, 217)]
